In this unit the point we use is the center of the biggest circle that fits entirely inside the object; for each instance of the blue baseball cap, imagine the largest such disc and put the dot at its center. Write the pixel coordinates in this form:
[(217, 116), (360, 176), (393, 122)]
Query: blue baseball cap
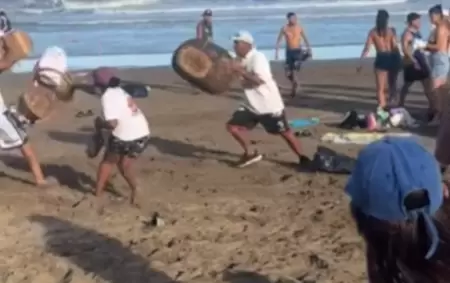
[(386, 172)]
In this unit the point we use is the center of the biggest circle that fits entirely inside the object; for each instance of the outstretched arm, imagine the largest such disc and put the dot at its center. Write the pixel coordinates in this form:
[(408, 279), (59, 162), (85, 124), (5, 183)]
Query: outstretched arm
[(367, 46), (278, 43)]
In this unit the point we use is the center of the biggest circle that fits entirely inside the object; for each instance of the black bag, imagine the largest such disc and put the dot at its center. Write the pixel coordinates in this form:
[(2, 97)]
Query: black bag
[(328, 160)]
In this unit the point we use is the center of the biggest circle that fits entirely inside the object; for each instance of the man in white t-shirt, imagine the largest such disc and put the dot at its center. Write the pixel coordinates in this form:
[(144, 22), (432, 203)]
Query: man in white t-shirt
[(129, 132), (264, 104)]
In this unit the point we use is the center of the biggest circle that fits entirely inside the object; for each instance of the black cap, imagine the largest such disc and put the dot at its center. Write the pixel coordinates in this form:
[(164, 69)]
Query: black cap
[(290, 14), (207, 12), (412, 17)]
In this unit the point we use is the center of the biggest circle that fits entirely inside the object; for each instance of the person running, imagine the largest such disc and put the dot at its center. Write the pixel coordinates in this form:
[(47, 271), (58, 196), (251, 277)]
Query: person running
[(295, 55), (13, 135), (387, 59), (205, 26), (415, 66), (400, 206), (128, 129), (438, 46), (264, 104)]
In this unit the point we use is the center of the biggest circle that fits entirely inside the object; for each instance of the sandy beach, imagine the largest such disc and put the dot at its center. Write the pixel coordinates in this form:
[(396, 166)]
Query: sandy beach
[(265, 223)]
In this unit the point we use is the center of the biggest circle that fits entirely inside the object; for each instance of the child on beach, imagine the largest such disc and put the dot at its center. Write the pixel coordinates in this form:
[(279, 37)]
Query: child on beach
[(397, 201), (387, 61), (128, 129)]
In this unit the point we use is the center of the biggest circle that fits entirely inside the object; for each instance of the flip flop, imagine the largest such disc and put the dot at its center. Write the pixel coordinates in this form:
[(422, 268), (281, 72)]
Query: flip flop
[(82, 114)]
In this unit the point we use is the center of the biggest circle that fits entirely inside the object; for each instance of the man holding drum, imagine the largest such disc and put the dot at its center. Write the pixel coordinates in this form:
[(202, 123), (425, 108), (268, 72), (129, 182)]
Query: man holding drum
[(13, 134), (264, 104), (127, 129)]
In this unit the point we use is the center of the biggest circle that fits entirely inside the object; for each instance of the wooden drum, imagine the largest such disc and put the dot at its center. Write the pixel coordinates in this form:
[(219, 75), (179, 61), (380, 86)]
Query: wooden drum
[(204, 64), (60, 83), (18, 45), (37, 103)]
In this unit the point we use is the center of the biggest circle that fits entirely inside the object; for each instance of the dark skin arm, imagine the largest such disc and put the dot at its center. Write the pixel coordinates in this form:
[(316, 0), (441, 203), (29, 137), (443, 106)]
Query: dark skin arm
[(105, 124)]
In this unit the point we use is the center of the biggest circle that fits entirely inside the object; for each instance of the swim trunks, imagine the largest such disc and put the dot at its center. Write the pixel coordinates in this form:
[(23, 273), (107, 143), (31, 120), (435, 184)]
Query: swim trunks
[(387, 61), (294, 59)]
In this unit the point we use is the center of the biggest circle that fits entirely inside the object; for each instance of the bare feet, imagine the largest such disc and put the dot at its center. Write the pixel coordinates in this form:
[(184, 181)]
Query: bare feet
[(134, 197)]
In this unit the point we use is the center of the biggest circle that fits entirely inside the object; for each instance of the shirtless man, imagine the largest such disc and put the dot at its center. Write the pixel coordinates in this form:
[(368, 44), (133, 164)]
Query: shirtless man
[(438, 46), (387, 61), (294, 35), (415, 67), (204, 26)]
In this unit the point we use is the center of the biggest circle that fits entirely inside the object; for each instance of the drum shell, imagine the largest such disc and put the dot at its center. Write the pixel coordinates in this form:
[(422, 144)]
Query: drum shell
[(18, 45), (64, 89), (36, 103), (205, 65)]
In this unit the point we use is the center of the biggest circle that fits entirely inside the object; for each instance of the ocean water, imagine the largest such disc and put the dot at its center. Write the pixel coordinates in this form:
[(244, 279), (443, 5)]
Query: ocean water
[(130, 33)]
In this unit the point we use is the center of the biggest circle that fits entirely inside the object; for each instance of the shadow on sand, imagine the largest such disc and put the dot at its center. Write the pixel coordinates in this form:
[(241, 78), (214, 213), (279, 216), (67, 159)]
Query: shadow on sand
[(165, 146), (65, 174), (97, 254)]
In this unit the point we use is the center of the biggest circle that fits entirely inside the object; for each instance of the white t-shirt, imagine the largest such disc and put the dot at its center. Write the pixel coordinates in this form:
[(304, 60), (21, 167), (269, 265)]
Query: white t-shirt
[(131, 122), (266, 98), (53, 58)]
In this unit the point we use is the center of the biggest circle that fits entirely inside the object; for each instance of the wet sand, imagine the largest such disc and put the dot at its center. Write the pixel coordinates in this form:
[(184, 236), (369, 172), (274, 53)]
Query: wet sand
[(265, 223)]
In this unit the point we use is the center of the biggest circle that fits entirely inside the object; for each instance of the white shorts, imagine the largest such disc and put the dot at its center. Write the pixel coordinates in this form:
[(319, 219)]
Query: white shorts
[(12, 131)]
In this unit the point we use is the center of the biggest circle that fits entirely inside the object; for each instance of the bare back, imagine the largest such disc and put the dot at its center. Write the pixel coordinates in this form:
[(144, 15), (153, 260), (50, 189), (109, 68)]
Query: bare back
[(384, 43)]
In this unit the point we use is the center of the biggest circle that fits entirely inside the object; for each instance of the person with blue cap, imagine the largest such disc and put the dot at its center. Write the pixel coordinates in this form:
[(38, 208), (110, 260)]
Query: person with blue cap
[(397, 193)]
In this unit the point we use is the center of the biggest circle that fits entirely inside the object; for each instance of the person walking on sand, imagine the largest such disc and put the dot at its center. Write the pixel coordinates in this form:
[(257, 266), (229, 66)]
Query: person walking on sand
[(294, 33), (13, 135), (387, 60), (205, 26), (128, 132), (264, 104), (438, 45), (415, 66), (401, 210)]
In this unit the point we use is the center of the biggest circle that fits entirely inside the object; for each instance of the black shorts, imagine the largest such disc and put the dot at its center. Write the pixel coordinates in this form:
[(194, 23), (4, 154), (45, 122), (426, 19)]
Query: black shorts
[(127, 148), (272, 123), (294, 59), (412, 74)]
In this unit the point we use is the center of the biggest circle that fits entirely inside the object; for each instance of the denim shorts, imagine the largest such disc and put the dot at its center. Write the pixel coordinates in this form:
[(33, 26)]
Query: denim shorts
[(440, 65)]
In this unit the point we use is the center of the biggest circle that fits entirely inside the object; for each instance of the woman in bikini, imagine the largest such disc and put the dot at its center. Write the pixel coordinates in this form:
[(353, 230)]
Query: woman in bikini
[(387, 61)]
